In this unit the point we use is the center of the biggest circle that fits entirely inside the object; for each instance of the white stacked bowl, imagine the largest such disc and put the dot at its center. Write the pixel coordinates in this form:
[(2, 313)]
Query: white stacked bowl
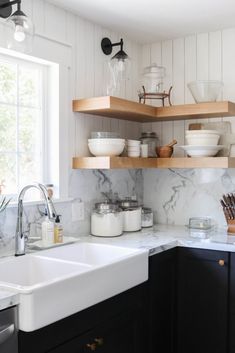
[(202, 137), (133, 148), (106, 147)]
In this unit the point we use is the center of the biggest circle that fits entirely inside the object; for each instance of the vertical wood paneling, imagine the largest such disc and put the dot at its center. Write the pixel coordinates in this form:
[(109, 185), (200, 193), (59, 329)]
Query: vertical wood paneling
[(215, 61), (178, 94), (190, 70), (167, 62), (202, 56), (55, 22), (202, 59), (228, 71), (38, 16), (156, 57)]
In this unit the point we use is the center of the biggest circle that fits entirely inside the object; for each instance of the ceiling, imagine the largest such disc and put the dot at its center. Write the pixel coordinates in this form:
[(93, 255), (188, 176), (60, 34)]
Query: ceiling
[(150, 20)]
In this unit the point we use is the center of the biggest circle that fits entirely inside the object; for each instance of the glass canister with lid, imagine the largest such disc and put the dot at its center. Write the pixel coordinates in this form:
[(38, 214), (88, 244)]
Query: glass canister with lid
[(131, 215), (147, 217), (150, 139), (106, 220)]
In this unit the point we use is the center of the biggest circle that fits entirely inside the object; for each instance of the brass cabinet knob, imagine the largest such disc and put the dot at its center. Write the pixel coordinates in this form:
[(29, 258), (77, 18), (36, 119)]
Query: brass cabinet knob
[(221, 262), (91, 346), (99, 341)]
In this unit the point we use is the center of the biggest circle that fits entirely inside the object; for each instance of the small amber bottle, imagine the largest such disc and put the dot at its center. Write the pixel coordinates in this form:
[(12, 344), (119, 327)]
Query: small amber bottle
[(58, 230)]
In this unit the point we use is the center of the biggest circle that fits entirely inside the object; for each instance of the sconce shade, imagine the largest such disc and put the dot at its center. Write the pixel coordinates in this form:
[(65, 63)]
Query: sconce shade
[(20, 32), (121, 55)]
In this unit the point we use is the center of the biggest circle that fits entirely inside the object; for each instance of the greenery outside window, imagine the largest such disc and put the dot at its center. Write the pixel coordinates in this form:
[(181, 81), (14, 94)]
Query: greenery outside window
[(23, 117)]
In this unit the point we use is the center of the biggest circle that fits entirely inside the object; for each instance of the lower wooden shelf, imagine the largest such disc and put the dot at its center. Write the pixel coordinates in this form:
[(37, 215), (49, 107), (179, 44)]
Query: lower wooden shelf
[(145, 163)]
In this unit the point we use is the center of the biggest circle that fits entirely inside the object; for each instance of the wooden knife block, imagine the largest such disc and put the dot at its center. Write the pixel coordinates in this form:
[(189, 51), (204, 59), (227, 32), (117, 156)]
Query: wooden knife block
[(231, 226)]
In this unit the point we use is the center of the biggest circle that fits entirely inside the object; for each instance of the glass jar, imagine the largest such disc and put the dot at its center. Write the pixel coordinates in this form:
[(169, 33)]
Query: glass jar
[(106, 220), (150, 139), (131, 215), (147, 217), (152, 78)]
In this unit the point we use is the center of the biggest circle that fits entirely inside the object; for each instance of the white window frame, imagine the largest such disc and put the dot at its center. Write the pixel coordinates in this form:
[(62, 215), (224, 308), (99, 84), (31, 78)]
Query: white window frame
[(50, 113)]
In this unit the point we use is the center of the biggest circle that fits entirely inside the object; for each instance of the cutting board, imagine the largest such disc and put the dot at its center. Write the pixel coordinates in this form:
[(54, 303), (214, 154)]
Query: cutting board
[(227, 138)]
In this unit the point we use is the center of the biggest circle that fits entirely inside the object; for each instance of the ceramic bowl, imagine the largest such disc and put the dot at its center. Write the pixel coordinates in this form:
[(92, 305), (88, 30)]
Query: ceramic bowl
[(201, 151), (99, 148), (201, 132), (202, 140)]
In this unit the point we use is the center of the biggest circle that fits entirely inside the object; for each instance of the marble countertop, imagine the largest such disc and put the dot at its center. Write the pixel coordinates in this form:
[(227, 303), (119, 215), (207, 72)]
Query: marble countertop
[(163, 237), (156, 240), (8, 298)]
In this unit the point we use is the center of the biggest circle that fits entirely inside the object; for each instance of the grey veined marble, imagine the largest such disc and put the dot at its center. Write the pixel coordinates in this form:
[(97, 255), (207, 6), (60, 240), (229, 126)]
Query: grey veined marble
[(87, 186), (178, 194)]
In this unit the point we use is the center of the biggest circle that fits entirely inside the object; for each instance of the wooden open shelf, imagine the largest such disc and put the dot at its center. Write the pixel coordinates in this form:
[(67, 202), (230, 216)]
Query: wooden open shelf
[(127, 110), (142, 163)]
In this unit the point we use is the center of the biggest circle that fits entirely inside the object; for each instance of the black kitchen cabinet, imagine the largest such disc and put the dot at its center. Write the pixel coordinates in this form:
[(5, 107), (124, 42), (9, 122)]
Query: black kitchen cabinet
[(115, 325), (202, 301), (161, 288), (232, 305), (119, 335)]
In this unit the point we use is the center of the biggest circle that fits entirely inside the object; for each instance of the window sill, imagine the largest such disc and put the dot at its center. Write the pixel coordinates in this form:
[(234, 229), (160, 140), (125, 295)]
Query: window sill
[(14, 204)]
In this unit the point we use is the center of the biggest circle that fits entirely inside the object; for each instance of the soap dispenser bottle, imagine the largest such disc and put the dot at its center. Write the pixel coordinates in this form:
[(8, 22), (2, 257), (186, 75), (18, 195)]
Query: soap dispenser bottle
[(58, 230), (47, 231)]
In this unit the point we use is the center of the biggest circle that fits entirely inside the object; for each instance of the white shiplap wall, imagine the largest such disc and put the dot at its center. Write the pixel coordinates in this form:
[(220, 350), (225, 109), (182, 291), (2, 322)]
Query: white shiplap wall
[(196, 57), (57, 28)]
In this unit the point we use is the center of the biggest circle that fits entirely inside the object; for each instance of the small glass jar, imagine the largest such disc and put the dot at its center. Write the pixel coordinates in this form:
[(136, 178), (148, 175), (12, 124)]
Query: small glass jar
[(150, 139), (200, 227), (146, 217)]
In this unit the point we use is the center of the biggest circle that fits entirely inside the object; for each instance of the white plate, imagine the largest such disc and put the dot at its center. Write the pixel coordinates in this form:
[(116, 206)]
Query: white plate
[(202, 151), (39, 244)]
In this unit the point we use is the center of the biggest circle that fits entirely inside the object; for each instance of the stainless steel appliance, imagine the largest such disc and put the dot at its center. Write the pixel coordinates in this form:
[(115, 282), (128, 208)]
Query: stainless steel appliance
[(8, 330)]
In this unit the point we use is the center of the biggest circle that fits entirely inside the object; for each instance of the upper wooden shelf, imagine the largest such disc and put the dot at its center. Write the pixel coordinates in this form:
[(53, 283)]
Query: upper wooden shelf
[(142, 163), (119, 108), (114, 107)]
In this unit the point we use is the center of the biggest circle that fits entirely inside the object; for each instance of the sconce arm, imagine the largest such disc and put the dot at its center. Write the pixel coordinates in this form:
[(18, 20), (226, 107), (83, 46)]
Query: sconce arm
[(9, 3)]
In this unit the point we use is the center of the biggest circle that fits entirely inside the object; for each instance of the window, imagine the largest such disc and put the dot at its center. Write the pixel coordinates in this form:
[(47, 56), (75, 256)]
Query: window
[(23, 113)]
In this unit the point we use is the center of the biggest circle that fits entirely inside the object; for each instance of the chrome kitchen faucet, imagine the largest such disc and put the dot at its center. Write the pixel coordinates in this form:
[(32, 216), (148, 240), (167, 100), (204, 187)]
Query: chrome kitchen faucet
[(20, 240)]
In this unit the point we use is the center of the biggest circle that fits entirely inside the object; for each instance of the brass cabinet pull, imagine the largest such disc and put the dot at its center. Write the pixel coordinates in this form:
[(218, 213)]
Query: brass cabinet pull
[(221, 262), (99, 341), (91, 346)]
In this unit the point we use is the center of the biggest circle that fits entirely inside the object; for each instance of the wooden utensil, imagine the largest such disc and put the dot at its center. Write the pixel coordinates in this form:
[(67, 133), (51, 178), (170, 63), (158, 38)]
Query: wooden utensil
[(171, 144)]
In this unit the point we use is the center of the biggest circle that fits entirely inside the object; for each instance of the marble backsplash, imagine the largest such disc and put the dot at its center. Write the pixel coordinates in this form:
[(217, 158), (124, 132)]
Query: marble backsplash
[(178, 194), (87, 186)]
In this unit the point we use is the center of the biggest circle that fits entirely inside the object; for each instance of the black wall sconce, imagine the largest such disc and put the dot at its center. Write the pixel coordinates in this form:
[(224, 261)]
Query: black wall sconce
[(20, 26), (107, 47)]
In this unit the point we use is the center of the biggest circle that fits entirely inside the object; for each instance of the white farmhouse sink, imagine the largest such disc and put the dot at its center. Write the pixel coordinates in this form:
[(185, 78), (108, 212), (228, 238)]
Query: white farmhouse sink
[(28, 272), (89, 253), (59, 282)]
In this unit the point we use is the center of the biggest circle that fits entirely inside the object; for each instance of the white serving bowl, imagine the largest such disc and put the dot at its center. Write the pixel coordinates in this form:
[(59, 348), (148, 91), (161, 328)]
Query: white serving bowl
[(205, 91), (201, 132), (201, 151), (106, 148), (202, 140), (106, 141)]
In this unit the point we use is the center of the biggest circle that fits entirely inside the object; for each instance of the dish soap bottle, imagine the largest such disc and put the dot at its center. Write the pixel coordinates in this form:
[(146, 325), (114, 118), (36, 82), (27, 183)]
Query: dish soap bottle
[(47, 231), (58, 231)]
